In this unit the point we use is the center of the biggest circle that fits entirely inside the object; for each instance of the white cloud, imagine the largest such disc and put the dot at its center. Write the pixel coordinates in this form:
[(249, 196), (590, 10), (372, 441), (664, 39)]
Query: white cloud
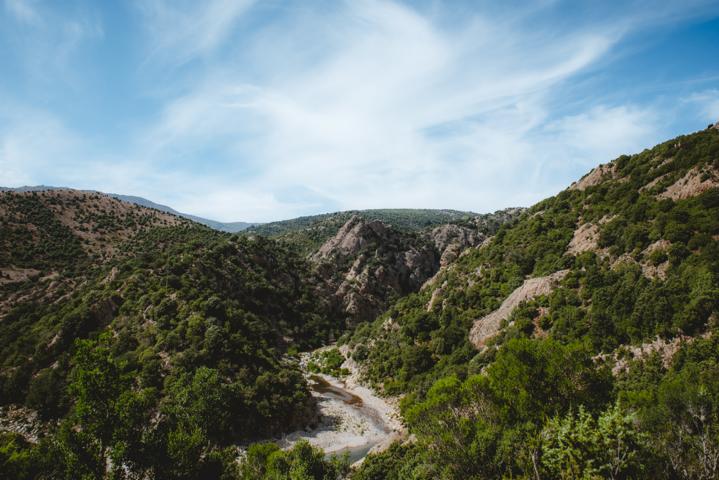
[(358, 125), (707, 102), (23, 10), (360, 104), (183, 30)]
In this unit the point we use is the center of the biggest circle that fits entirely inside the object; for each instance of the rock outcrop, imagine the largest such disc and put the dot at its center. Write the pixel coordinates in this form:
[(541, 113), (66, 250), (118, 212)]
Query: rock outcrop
[(451, 240), (595, 177), (368, 263), (585, 239), (488, 326), (695, 182)]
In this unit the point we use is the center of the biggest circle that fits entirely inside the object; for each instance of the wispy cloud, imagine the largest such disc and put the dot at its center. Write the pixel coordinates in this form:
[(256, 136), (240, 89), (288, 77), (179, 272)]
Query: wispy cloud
[(266, 110), (182, 30), (394, 111), (45, 39), (707, 102), (23, 10)]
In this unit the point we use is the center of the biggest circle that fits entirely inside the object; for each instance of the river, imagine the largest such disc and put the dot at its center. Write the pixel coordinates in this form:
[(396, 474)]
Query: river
[(353, 419)]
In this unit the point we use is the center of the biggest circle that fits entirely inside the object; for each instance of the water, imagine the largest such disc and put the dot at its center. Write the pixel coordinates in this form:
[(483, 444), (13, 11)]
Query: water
[(322, 386), (327, 390)]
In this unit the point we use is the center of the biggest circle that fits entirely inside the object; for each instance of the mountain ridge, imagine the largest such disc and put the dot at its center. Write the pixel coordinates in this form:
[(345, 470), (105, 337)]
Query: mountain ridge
[(231, 227), (590, 319)]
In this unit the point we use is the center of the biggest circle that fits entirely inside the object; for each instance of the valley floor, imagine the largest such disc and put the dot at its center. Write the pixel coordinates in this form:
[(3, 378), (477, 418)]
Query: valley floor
[(353, 418)]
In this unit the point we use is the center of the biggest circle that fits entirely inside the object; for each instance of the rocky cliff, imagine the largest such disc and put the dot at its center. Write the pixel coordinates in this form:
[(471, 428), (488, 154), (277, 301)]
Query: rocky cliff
[(368, 263)]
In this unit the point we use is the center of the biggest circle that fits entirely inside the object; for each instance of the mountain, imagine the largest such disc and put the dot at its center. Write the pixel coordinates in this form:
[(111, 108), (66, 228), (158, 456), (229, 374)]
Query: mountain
[(309, 233), (574, 339), (232, 227), (119, 317), (579, 342), (367, 263)]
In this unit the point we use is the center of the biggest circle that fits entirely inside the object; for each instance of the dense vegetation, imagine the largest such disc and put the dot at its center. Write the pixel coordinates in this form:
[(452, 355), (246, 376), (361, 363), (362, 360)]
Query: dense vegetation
[(156, 356), (327, 361), (186, 334), (308, 233), (540, 388)]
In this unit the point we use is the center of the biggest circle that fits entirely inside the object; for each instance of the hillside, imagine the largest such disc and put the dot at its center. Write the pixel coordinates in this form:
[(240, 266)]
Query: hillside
[(591, 319), (574, 339), (368, 264), (309, 233), (50, 240), (130, 334), (231, 227)]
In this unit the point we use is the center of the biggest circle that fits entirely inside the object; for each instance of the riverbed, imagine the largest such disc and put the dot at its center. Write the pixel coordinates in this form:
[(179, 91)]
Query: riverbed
[(353, 419)]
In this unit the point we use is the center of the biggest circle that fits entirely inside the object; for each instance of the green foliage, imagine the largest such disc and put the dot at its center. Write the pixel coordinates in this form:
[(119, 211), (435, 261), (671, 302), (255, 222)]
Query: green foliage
[(679, 407), (18, 459), (328, 362), (265, 461), (182, 353), (489, 425), (398, 462), (580, 447)]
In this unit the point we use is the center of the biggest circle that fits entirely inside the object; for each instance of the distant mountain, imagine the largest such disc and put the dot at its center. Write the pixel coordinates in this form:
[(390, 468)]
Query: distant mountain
[(309, 233), (231, 227), (368, 264)]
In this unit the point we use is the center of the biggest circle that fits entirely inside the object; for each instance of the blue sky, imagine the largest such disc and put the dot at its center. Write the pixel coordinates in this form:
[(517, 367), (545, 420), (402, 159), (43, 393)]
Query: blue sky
[(261, 110)]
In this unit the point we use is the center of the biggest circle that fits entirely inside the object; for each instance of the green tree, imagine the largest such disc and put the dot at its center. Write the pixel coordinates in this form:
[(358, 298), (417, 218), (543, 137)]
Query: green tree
[(576, 446), (265, 461)]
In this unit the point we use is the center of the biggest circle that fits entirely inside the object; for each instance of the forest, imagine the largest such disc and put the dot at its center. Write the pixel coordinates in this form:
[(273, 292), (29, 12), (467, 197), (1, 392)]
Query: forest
[(174, 353)]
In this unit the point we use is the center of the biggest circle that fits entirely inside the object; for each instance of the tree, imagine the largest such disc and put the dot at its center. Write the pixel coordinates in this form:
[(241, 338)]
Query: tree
[(576, 446), (490, 424), (265, 461), (97, 385)]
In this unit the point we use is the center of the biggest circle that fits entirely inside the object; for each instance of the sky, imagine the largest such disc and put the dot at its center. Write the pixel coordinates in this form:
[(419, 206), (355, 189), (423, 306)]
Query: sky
[(260, 110)]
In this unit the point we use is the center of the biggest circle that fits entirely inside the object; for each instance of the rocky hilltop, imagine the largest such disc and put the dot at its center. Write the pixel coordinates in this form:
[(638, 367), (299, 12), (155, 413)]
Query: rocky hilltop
[(368, 263)]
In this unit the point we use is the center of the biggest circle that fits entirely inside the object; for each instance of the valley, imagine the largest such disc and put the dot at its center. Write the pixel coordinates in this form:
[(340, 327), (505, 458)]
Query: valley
[(359, 240), (353, 419), (138, 344)]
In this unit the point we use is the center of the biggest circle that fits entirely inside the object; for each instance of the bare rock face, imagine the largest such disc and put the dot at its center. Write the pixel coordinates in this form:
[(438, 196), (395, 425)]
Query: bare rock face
[(451, 240), (694, 183), (351, 238), (367, 263), (595, 177), (488, 326), (584, 240)]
